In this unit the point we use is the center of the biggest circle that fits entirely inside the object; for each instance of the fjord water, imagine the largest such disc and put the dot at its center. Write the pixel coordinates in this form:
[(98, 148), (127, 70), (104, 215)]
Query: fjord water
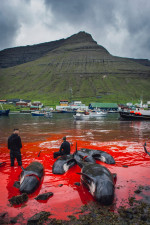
[(122, 139)]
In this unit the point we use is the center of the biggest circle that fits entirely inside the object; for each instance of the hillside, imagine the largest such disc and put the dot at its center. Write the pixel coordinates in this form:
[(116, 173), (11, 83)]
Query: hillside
[(76, 68)]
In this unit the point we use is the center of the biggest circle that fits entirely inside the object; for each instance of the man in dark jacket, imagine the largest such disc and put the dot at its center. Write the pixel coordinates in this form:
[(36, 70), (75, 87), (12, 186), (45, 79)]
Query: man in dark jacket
[(64, 148), (14, 144)]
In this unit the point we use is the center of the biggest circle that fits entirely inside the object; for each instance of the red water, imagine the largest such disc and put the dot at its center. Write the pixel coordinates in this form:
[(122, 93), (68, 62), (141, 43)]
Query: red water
[(68, 198)]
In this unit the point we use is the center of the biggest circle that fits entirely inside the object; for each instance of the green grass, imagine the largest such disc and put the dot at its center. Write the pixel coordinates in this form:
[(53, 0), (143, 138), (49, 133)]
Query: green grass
[(50, 78), (13, 107)]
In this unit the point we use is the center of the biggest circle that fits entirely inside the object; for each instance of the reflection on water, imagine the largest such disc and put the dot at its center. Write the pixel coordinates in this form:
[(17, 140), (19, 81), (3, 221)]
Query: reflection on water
[(103, 129)]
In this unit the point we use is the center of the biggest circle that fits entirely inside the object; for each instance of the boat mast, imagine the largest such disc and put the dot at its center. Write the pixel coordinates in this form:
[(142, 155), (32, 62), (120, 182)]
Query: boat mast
[(1, 106)]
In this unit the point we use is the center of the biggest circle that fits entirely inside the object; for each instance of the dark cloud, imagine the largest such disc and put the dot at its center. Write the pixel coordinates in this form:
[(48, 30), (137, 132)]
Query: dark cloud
[(78, 12), (100, 17), (9, 25), (120, 26)]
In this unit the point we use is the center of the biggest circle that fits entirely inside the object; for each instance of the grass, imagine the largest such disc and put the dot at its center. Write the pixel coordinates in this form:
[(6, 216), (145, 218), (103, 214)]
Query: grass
[(50, 78)]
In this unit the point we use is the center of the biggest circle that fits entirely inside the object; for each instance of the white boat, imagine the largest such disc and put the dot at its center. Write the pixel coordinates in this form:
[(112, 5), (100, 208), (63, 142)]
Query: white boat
[(81, 116), (48, 114), (37, 113), (97, 113)]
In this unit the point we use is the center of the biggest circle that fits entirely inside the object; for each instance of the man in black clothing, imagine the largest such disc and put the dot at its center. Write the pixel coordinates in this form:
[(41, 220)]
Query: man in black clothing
[(64, 148), (14, 144)]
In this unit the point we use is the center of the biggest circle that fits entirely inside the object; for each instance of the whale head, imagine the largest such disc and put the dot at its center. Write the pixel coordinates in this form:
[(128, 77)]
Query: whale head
[(63, 164), (104, 192), (28, 182)]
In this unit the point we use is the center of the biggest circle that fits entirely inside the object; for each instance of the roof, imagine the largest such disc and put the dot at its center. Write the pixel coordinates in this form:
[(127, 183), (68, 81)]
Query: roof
[(34, 106), (63, 100), (103, 105)]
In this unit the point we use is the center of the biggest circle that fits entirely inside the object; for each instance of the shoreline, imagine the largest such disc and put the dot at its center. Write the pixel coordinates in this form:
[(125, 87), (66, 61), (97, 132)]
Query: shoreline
[(137, 212)]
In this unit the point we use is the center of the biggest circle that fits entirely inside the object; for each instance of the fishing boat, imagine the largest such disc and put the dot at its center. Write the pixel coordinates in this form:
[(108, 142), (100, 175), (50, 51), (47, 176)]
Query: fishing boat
[(97, 114), (81, 115), (136, 114), (4, 112), (37, 113)]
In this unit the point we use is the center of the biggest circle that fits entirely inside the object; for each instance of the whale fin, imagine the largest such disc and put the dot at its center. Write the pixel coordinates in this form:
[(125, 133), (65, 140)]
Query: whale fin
[(22, 168), (75, 150), (114, 177), (85, 176), (39, 153)]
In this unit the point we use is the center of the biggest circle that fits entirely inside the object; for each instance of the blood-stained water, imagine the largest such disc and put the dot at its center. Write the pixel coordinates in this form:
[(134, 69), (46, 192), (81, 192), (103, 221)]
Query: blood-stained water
[(122, 139)]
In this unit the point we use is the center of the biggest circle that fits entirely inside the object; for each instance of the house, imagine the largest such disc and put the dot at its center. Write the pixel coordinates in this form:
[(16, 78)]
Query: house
[(63, 103), (22, 103), (13, 101), (37, 103), (34, 107), (104, 106), (75, 105), (3, 101)]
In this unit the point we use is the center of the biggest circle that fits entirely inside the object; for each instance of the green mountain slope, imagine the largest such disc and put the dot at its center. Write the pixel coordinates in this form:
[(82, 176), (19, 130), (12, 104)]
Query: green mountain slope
[(77, 69)]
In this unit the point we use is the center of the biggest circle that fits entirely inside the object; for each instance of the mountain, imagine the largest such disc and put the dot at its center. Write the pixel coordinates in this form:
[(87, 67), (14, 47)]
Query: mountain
[(72, 68)]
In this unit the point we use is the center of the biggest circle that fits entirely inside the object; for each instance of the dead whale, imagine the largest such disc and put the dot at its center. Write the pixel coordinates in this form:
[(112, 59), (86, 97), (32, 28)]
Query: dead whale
[(90, 155), (98, 179), (30, 177), (63, 164)]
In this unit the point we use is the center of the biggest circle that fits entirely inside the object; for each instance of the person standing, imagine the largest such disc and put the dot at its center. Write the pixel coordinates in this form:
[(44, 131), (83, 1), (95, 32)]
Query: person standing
[(64, 148), (15, 145)]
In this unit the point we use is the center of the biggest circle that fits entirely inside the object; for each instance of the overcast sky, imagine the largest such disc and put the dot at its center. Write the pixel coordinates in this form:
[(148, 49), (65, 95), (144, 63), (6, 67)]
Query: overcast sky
[(121, 26)]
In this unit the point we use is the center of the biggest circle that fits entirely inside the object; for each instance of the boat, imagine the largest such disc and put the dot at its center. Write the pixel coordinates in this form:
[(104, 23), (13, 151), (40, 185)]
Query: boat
[(38, 113), (97, 114), (67, 111), (4, 112), (136, 114), (81, 116), (48, 114)]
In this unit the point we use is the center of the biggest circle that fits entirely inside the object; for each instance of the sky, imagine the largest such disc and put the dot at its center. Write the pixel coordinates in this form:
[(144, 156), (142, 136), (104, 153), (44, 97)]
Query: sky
[(121, 26)]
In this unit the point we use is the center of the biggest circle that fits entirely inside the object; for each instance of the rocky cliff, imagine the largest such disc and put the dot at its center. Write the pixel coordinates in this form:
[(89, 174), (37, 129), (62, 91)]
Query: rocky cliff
[(74, 68)]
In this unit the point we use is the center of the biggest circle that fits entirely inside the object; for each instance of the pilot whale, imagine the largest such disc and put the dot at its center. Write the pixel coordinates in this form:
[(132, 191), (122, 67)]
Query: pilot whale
[(63, 164), (98, 179), (90, 155), (30, 177)]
